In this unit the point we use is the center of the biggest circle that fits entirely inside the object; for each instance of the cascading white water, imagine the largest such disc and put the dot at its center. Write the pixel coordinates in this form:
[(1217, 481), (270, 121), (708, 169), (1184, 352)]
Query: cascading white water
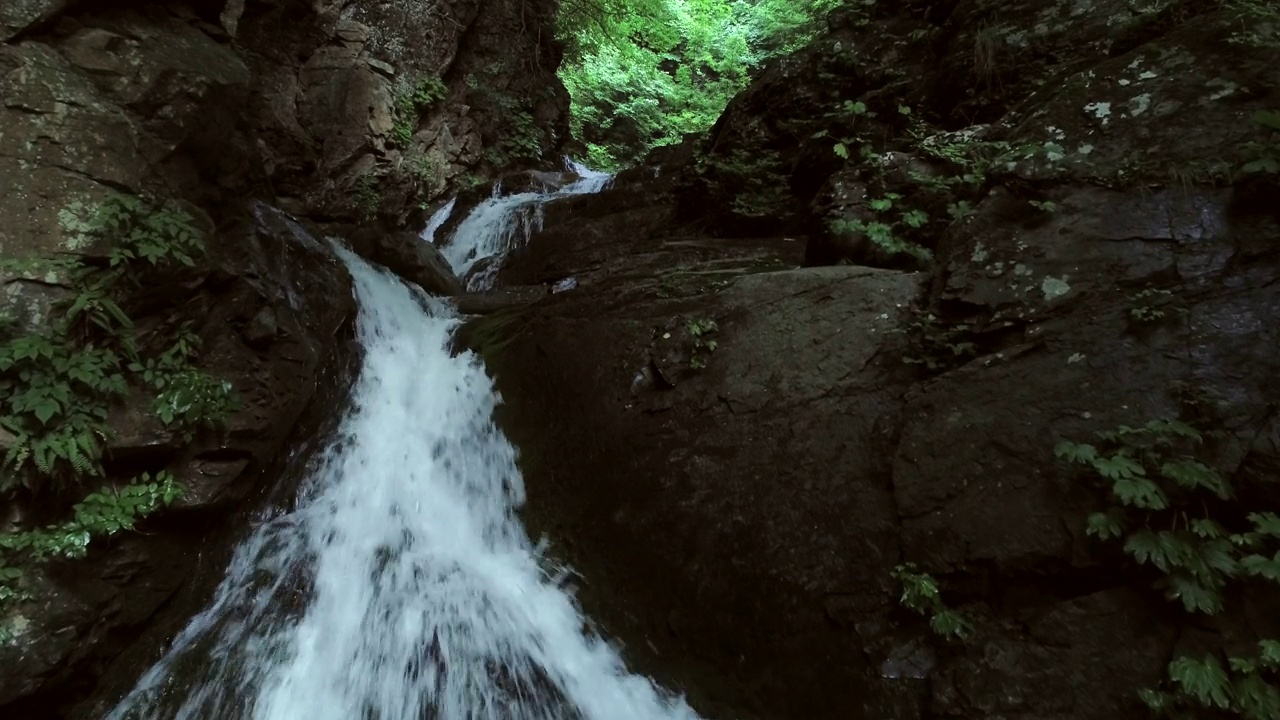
[(402, 585), (501, 224), (438, 218)]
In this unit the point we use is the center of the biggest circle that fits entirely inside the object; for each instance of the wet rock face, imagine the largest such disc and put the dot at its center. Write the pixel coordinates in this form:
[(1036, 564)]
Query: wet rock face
[(737, 453)]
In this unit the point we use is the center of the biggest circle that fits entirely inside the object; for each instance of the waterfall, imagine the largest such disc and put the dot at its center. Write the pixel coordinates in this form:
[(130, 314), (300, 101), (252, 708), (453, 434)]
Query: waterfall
[(501, 224), (438, 218), (401, 585)]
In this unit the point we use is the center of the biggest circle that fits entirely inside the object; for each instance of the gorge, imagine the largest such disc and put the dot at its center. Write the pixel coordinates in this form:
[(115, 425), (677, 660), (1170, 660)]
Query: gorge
[(934, 380)]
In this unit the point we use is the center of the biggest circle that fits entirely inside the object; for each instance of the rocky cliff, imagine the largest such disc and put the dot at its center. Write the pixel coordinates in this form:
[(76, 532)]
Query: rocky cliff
[(224, 113), (814, 368)]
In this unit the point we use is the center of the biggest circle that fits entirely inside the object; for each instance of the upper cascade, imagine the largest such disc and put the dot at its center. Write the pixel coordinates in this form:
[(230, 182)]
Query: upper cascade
[(501, 224)]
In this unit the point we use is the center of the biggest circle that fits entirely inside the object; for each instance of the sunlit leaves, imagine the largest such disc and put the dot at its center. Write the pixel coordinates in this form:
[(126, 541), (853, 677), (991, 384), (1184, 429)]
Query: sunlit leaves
[(664, 68)]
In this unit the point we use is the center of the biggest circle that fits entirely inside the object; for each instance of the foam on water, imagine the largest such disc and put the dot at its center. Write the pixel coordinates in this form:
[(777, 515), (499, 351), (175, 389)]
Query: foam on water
[(402, 586), (502, 224)]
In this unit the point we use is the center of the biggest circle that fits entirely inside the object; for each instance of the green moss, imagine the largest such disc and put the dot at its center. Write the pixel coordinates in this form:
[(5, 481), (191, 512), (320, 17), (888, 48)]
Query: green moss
[(487, 336)]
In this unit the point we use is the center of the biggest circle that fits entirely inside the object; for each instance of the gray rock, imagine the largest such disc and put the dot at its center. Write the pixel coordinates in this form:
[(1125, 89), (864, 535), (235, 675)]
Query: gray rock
[(19, 15)]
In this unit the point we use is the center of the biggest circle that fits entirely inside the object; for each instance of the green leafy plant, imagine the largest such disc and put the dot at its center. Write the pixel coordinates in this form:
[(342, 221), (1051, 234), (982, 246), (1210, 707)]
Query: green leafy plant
[(920, 594), (523, 139), (1151, 305), (701, 342), (1177, 514), (1162, 510), (960, 210), (137, 230), (99, 514), (1245, 687), (645, 73), (938, 346), (847, 116), (888, 233), (408, 106), (367, 198), (751, 178), (1265, 156), (59, 383), (186, 399)]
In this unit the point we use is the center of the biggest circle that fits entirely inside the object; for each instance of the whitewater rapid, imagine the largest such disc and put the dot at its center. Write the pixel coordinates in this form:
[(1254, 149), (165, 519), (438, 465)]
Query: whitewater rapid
[(501, 224), (402, 585)]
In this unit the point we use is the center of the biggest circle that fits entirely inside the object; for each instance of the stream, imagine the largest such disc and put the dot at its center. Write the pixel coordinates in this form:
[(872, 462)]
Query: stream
[(401, 585)]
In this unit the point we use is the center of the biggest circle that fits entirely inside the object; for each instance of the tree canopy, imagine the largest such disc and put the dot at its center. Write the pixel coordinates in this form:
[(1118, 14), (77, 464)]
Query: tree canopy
[(643, 73)]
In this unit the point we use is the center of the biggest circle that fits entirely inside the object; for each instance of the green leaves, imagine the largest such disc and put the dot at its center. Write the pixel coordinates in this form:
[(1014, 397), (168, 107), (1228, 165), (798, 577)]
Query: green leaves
[(1192, 474), (920, 594), (1106, 525), (1205, 680), (58, 386), (644, 73), (1244, 687), (889, 234), (1075, 452), (138, 231), (100, 514), (1174, 532)]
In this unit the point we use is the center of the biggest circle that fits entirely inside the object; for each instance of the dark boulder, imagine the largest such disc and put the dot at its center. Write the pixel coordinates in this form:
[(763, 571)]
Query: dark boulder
[(409, 256)]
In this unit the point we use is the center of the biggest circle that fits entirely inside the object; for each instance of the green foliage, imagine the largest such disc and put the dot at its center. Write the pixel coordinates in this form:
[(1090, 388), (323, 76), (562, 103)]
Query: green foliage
[(938, 346), (920, 593), (888, 232), (1175, 514), (138, 231), (1246, 687), (58, 384), (186, 399), (1264, 156), (752, 179), (1162, 506), (99, 514), (701, 343), (1151, 305), (644, 73), (366, 197), (524, 139), (409, 105), (517, 135)]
